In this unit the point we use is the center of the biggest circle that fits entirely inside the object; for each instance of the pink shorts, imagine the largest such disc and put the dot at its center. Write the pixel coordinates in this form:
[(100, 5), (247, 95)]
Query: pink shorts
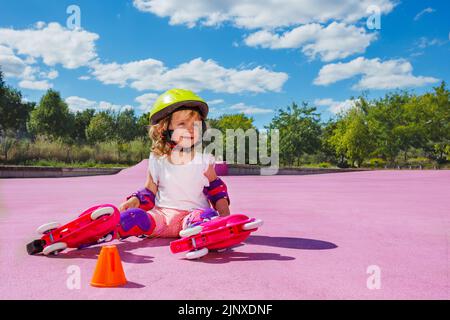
[(169, 222)]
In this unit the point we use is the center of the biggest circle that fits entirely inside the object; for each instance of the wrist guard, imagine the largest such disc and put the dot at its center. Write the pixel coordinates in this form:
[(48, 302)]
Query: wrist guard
[(216, 190), (146, 198)]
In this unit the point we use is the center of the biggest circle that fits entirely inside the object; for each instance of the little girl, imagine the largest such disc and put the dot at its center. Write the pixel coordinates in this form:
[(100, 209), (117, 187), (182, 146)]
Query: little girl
[(182, 184)]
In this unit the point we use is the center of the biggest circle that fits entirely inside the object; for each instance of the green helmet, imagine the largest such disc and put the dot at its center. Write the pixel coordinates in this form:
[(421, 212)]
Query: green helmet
[(174, 99)]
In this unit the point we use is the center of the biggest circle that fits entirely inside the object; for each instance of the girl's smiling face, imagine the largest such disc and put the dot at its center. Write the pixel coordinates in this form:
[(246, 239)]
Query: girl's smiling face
[(186, 126)]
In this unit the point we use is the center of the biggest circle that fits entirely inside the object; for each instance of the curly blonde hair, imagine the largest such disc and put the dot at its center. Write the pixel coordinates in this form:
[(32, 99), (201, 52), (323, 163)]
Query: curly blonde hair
[(160, 146)]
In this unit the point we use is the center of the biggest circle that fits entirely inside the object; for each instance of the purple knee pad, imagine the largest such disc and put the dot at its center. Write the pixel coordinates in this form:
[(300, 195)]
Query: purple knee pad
[(135, 222)]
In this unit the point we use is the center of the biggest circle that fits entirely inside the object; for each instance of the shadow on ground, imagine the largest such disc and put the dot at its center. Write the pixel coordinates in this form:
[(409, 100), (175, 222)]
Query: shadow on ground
[(125, 248), (291, 243), (230, 255)]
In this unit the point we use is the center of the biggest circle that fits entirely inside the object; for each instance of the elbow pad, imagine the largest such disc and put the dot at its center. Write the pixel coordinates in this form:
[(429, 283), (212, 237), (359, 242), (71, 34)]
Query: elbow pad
[(146, 198), (216, 190)]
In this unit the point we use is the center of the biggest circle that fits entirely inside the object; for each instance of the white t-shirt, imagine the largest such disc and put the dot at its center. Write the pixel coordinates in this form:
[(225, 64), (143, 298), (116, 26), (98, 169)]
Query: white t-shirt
[(180, 186)]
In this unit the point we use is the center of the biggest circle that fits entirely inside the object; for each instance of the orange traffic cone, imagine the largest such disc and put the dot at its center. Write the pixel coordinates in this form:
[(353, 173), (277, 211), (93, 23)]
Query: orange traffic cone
[(108, 271)]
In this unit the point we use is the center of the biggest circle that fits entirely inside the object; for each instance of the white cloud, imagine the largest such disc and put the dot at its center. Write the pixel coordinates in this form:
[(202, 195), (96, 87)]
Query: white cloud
[(375, 74), (424, 11), (52, 74), (127, 107), (196, 75), (30, 77), (52, 43), (264, 14), (76, 103), (335, 41), (105, 105), (79, 104), (424, 42), (146, 101), (246, 109), (121, 74), (240, 107), (22, 50), (40, 24), (302, 22), (35, 84), (335, 106), (294, 38), (11, 65), (417, 54), (215, 101)]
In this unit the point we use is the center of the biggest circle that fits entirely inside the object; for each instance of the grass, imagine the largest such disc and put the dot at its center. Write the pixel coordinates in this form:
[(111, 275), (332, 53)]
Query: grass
[(91, 164), (112, 154), (61, 164), (319, 165), (56, 153)]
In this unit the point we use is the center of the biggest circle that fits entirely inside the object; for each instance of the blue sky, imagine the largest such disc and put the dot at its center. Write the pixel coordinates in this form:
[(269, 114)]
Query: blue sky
[(250, 56)]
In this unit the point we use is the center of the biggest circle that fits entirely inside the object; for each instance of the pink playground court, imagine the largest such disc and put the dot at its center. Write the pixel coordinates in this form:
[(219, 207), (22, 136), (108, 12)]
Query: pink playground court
[(321, 235)]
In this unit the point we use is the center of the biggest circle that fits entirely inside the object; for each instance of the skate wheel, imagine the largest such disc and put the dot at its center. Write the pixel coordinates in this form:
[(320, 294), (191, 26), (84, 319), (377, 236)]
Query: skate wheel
[(101, 212), (197, 254), (191, 231), (107, 238), (45, 228), (253, 225), (54, 248)]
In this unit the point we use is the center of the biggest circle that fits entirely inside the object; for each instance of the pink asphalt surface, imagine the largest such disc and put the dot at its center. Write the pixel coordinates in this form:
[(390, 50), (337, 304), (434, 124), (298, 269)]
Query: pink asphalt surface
[(321, 233)]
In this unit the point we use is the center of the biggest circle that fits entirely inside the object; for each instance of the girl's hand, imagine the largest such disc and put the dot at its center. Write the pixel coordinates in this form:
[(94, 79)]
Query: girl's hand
[(210, 173), (133, 202)]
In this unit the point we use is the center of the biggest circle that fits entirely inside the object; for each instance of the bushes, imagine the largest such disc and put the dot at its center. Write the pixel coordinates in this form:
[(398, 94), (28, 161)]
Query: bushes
[(139, 148), (414, 163), (45, 150), (318, 165), (419, 162), (6, 144), (375, 163)]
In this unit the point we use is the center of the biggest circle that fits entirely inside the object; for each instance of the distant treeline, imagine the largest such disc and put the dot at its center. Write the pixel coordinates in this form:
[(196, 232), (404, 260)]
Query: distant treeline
[(400, 128)]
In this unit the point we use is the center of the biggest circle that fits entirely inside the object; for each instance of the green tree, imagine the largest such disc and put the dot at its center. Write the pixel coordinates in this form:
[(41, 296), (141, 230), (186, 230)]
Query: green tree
[(326, 148), (234, 122), (336, 140), (351, 137), (388, 125), (142, 124), (436, 107), (299, 129), (82, 119), (102, 127), (410, 129), (14, 112), (126, 127), (52, 117)]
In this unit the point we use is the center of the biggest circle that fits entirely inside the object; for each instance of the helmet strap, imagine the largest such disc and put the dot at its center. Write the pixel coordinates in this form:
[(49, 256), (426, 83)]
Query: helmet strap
[(167, 136)]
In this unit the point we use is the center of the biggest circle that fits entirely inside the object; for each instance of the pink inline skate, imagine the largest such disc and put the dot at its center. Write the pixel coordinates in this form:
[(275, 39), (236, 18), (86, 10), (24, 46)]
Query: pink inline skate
[(214, 233)]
